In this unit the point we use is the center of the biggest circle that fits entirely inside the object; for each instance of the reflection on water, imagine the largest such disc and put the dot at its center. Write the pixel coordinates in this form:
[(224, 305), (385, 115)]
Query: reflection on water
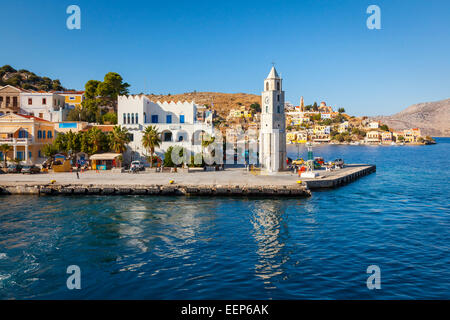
[(270, 231), (220, 248)]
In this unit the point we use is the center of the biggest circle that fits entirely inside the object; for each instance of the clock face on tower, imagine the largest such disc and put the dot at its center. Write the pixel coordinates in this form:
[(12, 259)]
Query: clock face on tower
[(267, 100)]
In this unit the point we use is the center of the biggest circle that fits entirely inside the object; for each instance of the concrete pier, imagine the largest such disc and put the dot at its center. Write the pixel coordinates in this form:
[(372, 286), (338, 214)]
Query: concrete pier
[(231, 182), (333, 179)]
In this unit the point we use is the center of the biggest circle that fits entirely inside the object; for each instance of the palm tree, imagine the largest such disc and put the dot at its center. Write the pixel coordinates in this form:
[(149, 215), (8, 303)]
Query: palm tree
[(95, 138), (151, 140), (4, 149), (119, 139)]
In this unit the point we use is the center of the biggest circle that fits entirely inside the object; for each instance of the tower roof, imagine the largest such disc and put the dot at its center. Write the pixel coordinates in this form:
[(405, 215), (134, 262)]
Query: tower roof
[(273, 74)]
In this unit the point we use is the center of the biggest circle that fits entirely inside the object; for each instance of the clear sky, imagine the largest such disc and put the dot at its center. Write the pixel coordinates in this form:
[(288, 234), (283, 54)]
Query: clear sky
[(323, 49)]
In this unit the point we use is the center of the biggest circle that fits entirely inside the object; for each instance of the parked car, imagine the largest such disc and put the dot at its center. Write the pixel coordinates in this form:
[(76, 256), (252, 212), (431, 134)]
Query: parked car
[(298, 162), (137, 164), (30, 169), (14, 168)]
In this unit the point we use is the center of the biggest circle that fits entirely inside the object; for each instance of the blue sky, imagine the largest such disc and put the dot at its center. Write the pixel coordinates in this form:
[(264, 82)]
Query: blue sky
[(323, 49)]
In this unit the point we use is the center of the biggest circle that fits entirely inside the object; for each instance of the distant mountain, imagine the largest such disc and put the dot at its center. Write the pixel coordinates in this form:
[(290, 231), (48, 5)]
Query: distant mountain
[(433, 118), (27, 80)]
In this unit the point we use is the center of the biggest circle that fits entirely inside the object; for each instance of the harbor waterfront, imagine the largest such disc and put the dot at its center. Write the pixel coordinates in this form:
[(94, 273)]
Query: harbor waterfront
[(234, 181), (168, 247)]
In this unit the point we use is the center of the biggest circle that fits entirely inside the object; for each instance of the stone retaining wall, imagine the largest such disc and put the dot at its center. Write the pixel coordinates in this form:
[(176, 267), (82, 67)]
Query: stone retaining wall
[(201, 190)]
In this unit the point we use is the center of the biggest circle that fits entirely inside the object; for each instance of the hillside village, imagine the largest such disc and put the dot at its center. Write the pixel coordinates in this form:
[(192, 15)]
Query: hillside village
[(37, 123)]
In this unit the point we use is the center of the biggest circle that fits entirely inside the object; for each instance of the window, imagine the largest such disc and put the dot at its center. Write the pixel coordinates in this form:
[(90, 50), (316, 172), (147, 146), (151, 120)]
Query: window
[(14, 101), (128, 119), (267, 86), (29, 155), (1, 155), (169, 118), (39, 134), (278, 97), (278, 109), (44, 101), (20, 155), (43, 134), (180, 138), (41, 115), (30, 101), (49, 134), (1, 100), (267, 109), (145, 117), (132, 118), (124, 118), (39, 154), (278, 85), (23, 134), (167, 136), (137, 121), (131, 136), (71, 98), (182, 118), (155, 118)]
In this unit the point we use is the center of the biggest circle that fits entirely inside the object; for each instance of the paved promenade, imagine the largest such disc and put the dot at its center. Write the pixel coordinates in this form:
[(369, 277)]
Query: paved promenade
[(234, 176)]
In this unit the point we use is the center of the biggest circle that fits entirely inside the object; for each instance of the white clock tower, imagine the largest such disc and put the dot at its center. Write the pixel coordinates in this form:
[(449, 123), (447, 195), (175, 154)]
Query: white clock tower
[(272, 151)]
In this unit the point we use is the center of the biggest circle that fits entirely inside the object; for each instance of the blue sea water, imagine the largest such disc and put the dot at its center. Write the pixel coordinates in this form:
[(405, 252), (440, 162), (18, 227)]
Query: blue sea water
[(136, 247)]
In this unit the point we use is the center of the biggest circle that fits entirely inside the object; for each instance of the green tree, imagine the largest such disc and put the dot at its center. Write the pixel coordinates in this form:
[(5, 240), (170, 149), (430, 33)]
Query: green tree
[(168, 162), (49, 150), (119, 139), (109, 117), (151, 139), (341, 110), (4, 149), (90, 89), (384, 127), (96, 139), (110, 88), (256, 107)]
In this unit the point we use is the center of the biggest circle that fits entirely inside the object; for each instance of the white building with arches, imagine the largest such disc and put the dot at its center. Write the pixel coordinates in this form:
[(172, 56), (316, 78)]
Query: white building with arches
[(177, 123)]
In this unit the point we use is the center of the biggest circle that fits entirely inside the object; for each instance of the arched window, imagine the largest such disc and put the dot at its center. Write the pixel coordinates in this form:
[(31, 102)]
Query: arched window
[(278, 97), (267, 86), (124, 118), (137, 121), (129, 119), (132, 118), (278, 85), (278, 109), (145, 117)]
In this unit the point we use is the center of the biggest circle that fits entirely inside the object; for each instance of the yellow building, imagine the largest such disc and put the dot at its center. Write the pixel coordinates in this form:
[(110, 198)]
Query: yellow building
[(26, 135), (386, 137), (373, 136), (411, 135), (72, 98)]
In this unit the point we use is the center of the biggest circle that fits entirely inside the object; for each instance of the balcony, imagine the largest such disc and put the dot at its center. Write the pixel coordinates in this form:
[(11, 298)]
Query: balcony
[(16, 141)]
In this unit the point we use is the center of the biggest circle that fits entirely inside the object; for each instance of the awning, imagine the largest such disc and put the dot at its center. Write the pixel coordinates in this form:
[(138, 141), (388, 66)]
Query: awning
[(9, 129), (104, 156)]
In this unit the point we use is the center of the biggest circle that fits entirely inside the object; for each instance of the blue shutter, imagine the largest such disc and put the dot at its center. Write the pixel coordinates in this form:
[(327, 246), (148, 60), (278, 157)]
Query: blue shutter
[(182, 118), (168, 118)]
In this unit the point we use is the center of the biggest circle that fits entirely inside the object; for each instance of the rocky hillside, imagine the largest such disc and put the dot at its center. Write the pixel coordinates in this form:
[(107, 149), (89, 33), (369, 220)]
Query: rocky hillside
[(433, 118), (27, 80), (221, 102)]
